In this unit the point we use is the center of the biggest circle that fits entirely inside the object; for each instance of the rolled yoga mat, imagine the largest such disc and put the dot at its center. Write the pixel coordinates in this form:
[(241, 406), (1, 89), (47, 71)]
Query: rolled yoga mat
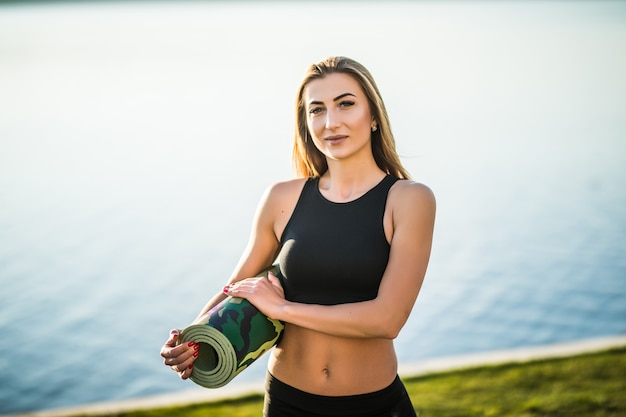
[(231, 336)]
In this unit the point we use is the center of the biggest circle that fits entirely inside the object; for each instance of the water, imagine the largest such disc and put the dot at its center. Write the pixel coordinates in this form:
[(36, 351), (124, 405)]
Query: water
[(136, 140)]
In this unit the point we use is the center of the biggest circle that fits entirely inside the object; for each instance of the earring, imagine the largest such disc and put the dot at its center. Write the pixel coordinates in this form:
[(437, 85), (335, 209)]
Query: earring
[(374, 128)]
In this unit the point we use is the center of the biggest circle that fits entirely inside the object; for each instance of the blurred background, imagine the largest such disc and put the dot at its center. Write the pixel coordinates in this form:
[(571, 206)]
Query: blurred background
[(136, 139)]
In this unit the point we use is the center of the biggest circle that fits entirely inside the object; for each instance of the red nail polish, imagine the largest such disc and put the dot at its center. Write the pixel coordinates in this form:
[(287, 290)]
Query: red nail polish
[(196, 346), (196, 353), (190, 366), (190, 344), (226, 288)]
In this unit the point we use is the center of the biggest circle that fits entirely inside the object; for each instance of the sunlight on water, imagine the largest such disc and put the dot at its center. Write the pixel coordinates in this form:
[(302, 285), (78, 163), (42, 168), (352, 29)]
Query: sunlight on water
[(136, 140)]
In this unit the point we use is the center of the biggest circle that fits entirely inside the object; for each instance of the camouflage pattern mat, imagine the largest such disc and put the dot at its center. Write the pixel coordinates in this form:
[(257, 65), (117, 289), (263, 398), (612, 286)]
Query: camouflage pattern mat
[(232, 335)]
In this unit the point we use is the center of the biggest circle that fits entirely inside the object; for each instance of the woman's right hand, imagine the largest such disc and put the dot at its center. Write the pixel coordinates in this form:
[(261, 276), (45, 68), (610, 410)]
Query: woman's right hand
[(179, 358)]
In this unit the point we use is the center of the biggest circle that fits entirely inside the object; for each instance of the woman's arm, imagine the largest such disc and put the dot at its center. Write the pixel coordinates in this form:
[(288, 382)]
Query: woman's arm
[(262, 249), (413, 215), (263, 246)]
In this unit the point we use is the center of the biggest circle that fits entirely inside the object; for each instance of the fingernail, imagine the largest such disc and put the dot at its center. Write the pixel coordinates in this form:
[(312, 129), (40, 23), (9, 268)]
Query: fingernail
[(196, 346), (190, 366), (190, 344), (226, 288), (196, 353)]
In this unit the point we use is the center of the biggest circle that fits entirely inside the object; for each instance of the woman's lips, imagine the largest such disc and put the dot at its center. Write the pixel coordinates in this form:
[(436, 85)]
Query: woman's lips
[(335, 139)]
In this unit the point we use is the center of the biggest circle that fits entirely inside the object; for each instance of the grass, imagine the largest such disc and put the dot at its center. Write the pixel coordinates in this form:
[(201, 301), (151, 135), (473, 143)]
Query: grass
[(586, 385)]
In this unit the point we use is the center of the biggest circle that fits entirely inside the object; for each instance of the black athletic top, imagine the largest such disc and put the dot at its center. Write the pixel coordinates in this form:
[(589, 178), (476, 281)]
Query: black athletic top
[(335, 253)]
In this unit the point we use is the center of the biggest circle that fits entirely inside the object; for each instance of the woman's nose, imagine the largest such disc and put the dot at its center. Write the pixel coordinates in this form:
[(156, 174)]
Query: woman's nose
[(332, 120)]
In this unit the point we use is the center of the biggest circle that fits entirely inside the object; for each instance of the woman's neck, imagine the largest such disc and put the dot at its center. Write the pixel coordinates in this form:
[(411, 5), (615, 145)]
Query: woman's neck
[(346, 182)]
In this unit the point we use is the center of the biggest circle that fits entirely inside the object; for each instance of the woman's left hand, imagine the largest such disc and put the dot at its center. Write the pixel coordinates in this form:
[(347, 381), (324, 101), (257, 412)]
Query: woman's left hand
[(266, 294)]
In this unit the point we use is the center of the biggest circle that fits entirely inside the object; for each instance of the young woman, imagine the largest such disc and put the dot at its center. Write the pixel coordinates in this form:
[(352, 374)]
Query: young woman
[(353, 237)]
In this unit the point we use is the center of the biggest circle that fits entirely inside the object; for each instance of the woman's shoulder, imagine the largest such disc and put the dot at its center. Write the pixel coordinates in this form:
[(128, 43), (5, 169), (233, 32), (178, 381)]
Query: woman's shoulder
[(287, 187), (284, 190), (409, 194), (412, 189)]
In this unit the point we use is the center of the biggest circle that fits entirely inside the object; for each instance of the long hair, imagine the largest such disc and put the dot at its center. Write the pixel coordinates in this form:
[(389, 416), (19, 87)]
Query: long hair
[(307, 159)]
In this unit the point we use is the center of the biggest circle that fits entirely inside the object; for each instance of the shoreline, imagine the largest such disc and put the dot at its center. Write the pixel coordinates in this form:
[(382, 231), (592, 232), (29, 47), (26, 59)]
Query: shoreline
[(434, 365)]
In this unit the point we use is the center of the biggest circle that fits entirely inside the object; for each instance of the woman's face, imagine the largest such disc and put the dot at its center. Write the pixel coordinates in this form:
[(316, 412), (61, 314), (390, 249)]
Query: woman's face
[(338, 116)]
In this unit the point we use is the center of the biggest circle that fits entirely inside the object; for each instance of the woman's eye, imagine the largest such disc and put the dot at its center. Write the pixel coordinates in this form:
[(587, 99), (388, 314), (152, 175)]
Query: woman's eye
[(346, 103), (315, 110)]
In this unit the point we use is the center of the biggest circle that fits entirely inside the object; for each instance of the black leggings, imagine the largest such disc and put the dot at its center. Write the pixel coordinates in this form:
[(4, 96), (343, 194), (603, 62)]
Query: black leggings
[(282, 400)]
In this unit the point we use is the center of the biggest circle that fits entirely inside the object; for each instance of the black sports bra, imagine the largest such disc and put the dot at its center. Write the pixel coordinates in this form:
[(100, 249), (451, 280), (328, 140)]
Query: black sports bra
[(335, 253)]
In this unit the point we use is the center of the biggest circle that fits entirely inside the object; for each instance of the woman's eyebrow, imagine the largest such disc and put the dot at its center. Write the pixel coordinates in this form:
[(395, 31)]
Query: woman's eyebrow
[(339, 97)]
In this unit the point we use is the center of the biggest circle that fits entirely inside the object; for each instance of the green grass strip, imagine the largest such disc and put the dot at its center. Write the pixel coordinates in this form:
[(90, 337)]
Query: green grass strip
[(585, 385)]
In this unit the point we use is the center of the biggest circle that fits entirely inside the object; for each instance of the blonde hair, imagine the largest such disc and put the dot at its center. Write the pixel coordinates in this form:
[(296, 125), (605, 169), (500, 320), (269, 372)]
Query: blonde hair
[(307, 159)]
